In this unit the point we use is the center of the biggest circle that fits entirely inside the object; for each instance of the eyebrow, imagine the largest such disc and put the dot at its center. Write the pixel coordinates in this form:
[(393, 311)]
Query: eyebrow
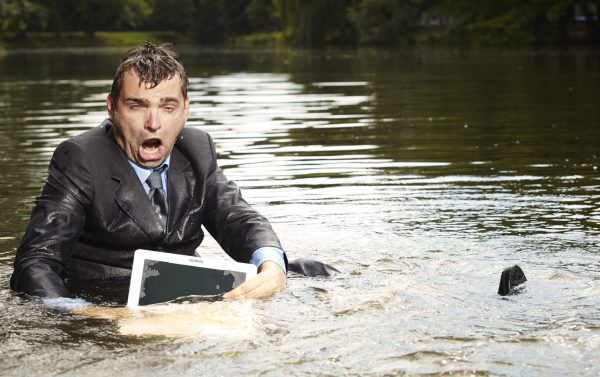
[(140, 101), (143, 101), (168, 100)]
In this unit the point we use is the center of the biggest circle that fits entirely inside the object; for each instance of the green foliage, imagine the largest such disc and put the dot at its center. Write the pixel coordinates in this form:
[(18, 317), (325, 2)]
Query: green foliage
[(509, 21), (262, 16), (313, 22), (20, 17), (100, 38), (208, 26), (273, 39), (383, 22), (93, 15), (316, 22), (217, 21), (131, 14), (175, 15)]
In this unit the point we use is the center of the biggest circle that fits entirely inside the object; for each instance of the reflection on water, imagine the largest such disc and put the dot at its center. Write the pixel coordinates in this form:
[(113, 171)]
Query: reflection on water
[(419, 174)]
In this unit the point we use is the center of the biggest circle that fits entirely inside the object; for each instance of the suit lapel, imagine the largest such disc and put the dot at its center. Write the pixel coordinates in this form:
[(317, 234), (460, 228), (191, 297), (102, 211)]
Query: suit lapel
[(130, 195), (132, 199), (181, 188)]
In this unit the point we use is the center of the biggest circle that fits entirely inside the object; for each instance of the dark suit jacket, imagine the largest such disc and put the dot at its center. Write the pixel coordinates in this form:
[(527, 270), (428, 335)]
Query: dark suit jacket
[(93, 213)]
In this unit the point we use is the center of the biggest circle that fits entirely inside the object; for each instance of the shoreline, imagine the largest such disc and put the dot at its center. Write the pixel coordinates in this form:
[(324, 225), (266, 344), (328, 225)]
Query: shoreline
[(100, 39), (42, 41)]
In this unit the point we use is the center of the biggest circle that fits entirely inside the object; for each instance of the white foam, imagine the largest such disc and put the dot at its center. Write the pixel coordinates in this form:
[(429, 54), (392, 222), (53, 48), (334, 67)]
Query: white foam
[(205, 319)]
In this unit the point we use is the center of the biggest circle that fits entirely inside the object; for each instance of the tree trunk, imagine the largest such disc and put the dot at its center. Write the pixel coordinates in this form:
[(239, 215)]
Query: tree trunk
[(592, 24), (563, 24)]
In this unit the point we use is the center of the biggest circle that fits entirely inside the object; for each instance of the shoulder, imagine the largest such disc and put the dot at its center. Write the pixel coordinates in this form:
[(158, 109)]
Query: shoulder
[(194, 135), (196, 144), (94, 138), (197, 148), (90, 144)]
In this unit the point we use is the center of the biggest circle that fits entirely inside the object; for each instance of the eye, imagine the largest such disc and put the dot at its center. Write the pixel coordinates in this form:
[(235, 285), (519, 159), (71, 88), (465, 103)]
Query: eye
[(134, 106)]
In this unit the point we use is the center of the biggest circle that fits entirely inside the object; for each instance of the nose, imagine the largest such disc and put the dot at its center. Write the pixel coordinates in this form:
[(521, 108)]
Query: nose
[(153, 120)]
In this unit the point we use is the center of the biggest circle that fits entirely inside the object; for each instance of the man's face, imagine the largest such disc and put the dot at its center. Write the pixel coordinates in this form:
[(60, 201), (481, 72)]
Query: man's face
[(148, 121)]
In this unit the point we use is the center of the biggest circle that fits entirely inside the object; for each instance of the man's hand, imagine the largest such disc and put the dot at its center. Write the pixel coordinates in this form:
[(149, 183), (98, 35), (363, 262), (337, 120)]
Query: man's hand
[(269, 280)]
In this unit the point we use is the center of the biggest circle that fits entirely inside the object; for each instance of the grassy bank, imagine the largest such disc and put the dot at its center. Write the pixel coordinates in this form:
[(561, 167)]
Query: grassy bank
[(99, 39), (275, 39)]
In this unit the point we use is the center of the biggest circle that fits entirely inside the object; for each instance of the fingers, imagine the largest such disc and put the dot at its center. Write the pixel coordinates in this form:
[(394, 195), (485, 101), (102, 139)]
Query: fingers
[(270, 280), (249, 289)]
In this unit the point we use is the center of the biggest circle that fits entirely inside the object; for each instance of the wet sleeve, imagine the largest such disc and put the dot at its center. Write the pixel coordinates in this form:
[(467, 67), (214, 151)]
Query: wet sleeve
[(55, 225), (237, 227)]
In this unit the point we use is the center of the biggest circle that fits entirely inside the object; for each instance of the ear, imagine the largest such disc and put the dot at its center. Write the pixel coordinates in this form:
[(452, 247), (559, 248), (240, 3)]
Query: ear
[(186, 108), (110, 106)]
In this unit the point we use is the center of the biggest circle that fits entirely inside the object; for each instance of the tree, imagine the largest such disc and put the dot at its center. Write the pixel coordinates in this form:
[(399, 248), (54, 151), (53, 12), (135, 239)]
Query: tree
[(217, 20), (208, 26), (94, 15), (174, 15), (262, 16), (385, 21), (20, 17), (508, 22), (316, 22)]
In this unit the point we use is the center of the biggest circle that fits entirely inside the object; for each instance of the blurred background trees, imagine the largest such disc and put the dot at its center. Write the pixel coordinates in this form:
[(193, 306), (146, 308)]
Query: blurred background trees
[(317, 22)]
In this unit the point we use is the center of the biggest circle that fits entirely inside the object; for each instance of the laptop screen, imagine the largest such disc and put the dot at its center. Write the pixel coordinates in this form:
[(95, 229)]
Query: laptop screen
[(164, 281)]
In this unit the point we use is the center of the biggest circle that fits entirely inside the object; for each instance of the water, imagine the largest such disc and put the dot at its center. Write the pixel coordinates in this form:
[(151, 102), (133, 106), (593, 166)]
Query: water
[(420, 175)]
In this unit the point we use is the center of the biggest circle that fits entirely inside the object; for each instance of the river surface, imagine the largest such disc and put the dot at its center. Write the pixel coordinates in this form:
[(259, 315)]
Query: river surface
[(419, 174)]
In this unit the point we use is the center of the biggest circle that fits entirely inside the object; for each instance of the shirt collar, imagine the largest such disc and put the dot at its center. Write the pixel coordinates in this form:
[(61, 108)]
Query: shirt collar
[(143, 172)]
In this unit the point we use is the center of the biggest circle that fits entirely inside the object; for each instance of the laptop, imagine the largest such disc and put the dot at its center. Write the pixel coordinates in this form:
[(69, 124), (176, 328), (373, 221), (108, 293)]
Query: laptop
[(163, 277)]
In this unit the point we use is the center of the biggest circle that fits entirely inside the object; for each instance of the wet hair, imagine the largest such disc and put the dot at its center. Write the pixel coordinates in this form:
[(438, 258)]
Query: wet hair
[(153, 64)]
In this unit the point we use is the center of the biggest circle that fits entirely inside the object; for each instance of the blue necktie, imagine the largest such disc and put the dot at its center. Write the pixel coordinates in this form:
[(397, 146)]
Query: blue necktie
[(158, 196)]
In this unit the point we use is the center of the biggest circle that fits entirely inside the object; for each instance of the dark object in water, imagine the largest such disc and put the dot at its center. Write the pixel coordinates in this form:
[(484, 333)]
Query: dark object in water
[(312, 268), (511, 277)]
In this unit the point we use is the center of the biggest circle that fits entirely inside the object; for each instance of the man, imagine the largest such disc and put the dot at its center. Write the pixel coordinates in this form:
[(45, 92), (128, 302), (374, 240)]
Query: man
[(140, 180)]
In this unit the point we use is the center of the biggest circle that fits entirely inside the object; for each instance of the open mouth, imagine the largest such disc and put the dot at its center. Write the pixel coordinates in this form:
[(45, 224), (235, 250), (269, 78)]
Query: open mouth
[(151, 150), (151, 144)]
